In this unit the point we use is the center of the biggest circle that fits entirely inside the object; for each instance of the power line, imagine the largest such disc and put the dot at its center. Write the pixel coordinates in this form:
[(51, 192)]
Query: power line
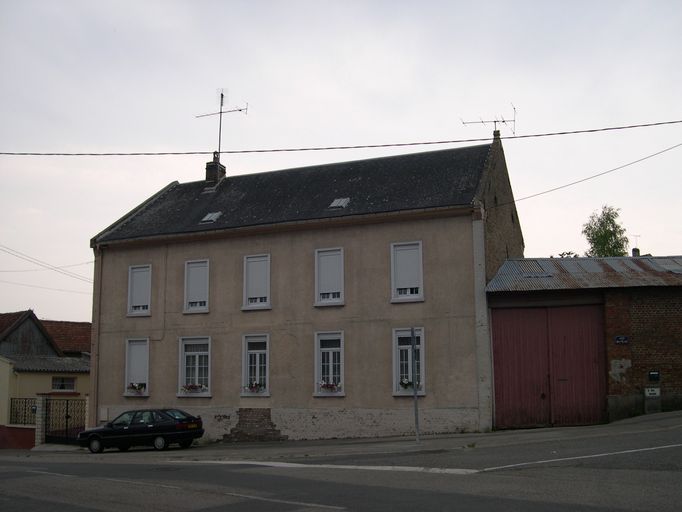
[(45, 287), (43, 269), (330, 148), (43, 264), (652, 155)]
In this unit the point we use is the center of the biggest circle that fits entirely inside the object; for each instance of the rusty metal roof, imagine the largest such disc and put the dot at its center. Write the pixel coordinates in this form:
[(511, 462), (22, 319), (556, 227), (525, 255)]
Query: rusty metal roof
[(536, 274)]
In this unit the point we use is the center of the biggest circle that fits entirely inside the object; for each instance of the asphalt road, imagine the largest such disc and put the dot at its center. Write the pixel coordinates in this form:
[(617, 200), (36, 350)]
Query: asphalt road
[(631, 465)]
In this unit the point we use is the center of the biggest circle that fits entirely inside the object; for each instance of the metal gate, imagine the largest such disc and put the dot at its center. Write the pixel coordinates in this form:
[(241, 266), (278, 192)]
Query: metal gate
[(549, 366), (64, 419)]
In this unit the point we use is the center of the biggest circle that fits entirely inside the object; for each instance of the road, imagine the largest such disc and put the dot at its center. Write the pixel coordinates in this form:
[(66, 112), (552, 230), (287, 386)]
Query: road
[(630, 465)]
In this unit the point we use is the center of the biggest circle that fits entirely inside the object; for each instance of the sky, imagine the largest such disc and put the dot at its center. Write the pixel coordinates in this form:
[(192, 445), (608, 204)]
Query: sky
[(131, 76)]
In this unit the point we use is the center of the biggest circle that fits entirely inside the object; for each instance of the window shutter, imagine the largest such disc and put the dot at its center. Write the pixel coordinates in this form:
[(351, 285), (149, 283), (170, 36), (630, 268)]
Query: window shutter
[(407, 266), (140, 288), (330, 271), (137, 361), (197, 281), (257, 276)]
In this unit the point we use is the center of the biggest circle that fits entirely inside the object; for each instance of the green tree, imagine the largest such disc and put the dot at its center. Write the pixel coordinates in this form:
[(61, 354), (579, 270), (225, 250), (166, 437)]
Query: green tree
[(605, 234)]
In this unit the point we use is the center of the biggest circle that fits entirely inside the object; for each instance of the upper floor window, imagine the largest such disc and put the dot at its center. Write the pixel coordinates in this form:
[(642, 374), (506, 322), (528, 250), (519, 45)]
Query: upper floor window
[(329, 364), (63, 383), (139, 290), (406, 272), (408, 364), (257, 282), (196, 286), (255, 370), (329, 277), (195, 366), (137, 367)]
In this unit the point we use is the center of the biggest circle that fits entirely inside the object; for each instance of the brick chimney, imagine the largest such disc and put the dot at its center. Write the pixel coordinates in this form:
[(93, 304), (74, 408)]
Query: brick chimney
[(215, 171)]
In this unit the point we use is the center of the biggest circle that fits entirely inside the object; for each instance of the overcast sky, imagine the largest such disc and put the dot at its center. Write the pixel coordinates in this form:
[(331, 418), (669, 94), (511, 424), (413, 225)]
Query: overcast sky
[(130, 76)]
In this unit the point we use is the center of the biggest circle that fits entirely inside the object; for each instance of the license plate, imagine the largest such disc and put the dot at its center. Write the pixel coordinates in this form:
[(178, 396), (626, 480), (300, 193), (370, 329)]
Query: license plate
[(192, 425)]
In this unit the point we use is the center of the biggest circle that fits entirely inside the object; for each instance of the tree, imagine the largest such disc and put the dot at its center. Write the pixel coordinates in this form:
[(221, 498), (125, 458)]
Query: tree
[(604, 234)]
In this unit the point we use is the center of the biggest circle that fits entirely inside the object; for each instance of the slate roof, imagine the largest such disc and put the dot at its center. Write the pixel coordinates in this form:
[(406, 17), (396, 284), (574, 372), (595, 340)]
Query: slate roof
[(406, 182), (69, 336), (537, 274), (50, 364)]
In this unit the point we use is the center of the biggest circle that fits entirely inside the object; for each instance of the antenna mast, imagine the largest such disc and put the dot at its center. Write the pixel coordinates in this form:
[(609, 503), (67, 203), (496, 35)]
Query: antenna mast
[(510, 123), (244, 109)]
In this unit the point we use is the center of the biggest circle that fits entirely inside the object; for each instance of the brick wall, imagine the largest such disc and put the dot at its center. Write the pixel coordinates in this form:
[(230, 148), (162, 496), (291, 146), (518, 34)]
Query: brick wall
[(651, 318)]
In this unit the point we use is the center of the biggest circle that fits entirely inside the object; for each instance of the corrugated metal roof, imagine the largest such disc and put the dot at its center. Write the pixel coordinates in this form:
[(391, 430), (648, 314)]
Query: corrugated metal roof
[(50, 364), (536, 274)]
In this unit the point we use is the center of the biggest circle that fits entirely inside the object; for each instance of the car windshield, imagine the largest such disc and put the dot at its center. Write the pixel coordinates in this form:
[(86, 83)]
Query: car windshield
[(123, 420), (177, 414)]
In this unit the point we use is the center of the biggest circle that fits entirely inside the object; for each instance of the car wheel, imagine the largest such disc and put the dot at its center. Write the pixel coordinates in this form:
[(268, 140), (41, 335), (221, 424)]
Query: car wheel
[(95, 445), (186, 443), (160, 443)]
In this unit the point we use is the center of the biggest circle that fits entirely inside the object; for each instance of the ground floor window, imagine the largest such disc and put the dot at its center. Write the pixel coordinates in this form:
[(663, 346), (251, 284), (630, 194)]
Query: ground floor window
[(255, 371), (195, 370), (408, 364), (63, 383), (329, 363)]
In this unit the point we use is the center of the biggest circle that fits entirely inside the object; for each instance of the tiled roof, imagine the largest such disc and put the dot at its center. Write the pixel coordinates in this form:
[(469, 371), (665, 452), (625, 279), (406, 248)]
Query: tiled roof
[(51, 364), (414, 181), (69, 336), (536, 274)]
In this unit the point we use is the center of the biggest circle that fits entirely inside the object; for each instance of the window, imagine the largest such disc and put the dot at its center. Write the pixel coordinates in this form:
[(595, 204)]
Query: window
[(255, 373), (63, 383), (137, 367), (257, 282), (196, 286), (329, 277), (406, 272), (139, 290), (403, 378), (329, 364), (195, 369)]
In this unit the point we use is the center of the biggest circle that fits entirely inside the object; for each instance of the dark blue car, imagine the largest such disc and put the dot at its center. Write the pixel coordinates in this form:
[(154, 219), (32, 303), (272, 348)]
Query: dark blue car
[(144, 427)]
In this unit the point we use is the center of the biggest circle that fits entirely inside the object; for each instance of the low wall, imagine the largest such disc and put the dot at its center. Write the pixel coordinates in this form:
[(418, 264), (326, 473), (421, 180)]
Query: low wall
[(18, 437)]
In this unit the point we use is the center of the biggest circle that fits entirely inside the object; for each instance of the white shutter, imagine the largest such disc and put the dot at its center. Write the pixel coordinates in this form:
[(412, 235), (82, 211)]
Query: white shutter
[(257, 276), (197, 284), (138, 356), (330, 271), (407, 266), (140, 289)]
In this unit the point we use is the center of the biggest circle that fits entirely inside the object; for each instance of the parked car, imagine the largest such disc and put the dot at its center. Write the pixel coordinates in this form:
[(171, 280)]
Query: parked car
[(144, 427)]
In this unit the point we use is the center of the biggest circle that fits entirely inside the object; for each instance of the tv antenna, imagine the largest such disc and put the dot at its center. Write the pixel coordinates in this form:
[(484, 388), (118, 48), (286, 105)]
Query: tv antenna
[(509, 123), (244, 109)]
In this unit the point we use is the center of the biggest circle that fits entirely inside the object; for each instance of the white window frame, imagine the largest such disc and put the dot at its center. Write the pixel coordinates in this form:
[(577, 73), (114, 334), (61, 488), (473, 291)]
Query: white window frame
[(397, 295), (136, 387), (319, 390), (399, 390), (63, 379), (182, 371), (199, 308), (131, 288), (257, 338), (331, 301), (260, 304)]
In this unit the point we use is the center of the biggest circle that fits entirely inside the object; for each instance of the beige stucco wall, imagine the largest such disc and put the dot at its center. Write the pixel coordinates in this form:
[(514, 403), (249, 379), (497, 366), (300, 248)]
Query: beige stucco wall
[(447, 315), (6, 389), (30, 384)]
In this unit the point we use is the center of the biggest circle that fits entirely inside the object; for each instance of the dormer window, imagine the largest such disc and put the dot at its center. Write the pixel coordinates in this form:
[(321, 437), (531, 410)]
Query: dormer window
[(339, 203), (211, 217)]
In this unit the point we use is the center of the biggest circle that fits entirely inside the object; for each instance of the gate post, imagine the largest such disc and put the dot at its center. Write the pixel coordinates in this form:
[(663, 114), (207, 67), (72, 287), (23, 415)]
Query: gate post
[(41, 412)]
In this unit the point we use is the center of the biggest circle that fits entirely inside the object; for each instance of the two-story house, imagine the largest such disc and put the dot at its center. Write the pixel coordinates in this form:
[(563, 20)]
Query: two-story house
[(283, 303)]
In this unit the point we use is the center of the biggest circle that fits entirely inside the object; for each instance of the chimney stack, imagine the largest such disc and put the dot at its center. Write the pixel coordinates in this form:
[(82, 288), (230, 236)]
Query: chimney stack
[(215, 171), (635, 252)]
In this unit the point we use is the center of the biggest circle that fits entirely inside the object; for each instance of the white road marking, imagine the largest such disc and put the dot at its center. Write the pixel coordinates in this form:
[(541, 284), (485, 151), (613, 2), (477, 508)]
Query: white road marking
[(579, 457), (138, 482), (411, 469), (283, 502)]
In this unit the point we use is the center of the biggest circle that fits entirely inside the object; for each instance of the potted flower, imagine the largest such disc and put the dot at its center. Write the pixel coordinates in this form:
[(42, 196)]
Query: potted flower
[(405, 383), (137, 388), (194, 388), (329, 387), (255, 387)]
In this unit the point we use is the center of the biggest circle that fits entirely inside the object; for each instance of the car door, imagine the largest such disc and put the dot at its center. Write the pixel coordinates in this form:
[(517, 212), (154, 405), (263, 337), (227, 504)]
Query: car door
[(120, 429), (142, 428)]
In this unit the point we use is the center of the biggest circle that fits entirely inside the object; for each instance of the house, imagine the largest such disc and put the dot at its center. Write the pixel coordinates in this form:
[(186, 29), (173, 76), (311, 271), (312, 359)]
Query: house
[(38, 358), (585, 340), (282, 304)]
